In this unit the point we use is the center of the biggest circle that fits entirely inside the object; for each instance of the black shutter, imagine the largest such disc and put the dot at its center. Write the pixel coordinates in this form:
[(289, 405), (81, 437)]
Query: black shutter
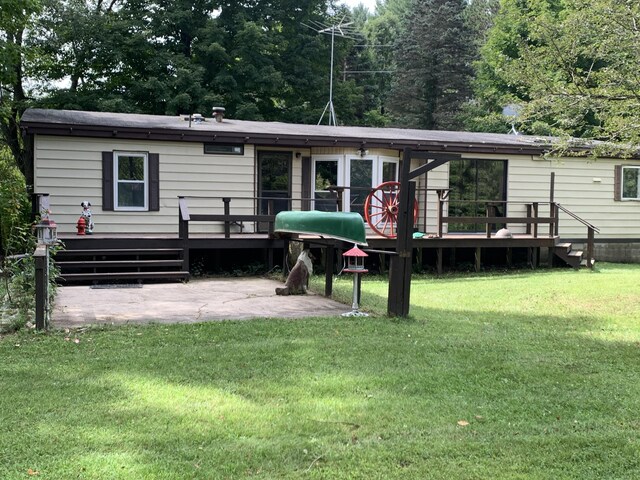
[(617, 183), (154, 182), (306, 183), (107, 180)]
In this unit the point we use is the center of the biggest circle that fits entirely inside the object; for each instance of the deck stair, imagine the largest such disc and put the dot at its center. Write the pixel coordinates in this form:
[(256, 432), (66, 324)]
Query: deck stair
[(120, 265), (573, 258)]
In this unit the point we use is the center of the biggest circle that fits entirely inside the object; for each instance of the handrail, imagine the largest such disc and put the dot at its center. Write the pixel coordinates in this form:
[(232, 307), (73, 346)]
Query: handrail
[(591, 230), (576, 217)]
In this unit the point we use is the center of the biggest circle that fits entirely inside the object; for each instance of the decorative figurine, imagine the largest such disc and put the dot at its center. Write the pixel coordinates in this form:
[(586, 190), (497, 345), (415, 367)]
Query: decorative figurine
[(86, 215)]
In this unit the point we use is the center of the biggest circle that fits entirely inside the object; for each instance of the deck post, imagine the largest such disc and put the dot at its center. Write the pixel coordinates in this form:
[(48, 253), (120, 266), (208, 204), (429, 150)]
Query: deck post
[(552, 210), (183, 231), (535, 216), (529, 209), (41, 256), (440, 212), (439, 260), (478, 258), (227, 211), (400, 274), (488, 213), (532, 260), (328, 270), (590, 247)]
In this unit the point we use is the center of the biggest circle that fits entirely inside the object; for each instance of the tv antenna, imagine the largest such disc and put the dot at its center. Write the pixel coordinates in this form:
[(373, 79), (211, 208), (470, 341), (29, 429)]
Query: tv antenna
[(341, 29), (512, 112)]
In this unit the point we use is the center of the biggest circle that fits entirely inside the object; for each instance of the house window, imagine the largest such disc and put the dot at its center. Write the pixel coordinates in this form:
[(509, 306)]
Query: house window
[(630, 183), (224, 148), (474, 184), (130, 186), (360, 183), (326, 173), (389, 171)]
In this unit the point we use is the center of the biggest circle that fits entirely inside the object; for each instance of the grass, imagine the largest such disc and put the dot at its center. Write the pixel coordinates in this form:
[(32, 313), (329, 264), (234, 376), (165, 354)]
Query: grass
[(528, 375)]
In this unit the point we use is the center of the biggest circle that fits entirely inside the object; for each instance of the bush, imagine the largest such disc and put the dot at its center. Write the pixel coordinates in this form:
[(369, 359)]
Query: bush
[(15, 208), (17, 266)]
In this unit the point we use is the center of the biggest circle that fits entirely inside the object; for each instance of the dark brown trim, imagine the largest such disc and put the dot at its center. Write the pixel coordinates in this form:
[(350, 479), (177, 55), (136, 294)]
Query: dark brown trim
[(285, 141), (617, 183), (154, 182), (107, 181), (306, 183)]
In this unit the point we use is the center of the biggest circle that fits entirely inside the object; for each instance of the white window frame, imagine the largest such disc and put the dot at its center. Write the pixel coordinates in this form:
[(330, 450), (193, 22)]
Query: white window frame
[(622, 197), (381, 161), (117, 181), (339, 159)]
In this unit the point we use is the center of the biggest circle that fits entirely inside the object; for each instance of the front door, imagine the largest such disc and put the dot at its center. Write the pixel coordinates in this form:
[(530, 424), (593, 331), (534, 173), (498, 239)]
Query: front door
[(274, 185)]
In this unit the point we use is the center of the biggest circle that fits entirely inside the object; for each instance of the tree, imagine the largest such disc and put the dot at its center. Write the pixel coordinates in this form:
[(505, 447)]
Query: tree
[(571, 65), (433, 58), (15, 15)]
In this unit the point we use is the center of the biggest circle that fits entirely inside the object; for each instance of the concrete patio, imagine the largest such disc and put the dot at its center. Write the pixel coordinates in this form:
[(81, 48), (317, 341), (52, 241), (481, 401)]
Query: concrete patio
[(196, 301)]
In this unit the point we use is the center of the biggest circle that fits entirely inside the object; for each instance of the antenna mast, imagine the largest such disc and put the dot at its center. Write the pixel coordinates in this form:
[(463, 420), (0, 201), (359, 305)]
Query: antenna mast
[(341, 29)]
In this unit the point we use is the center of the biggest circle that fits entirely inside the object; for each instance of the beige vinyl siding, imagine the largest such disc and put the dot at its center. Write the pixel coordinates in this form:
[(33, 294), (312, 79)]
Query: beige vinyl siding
[(70, 170), (584, 186)]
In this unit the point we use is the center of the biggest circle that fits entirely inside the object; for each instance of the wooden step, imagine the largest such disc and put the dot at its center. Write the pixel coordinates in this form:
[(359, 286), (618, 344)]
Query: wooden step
[(181, 275), (570, 257), (118, 263), (119, 252)]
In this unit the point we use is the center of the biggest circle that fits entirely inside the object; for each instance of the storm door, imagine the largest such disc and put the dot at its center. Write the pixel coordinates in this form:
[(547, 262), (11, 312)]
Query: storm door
[(474, 185), (274, 185)]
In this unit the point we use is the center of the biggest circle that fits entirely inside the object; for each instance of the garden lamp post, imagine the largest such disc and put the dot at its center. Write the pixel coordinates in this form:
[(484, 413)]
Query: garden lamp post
[(46, 231)]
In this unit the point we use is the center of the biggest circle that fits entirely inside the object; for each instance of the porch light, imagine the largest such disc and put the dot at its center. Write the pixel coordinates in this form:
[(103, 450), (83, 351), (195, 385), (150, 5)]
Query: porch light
[(47, 231), (362, 152), (355, 264)]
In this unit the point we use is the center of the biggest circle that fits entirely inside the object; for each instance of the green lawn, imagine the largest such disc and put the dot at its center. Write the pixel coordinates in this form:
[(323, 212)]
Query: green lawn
[(529, 375)]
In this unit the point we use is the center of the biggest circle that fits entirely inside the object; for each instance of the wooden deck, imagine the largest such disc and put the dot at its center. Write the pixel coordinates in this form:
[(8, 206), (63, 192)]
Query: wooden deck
[(143, 258)]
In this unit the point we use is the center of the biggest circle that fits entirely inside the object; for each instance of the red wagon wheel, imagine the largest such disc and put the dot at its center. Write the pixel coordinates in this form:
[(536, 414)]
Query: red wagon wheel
[(381, 209)]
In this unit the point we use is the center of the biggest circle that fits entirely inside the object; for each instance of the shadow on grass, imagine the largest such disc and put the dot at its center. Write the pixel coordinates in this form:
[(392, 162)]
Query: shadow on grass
[(326, 398)]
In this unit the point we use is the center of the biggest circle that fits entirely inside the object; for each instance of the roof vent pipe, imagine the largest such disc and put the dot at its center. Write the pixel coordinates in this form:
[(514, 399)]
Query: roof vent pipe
[(218, 113)]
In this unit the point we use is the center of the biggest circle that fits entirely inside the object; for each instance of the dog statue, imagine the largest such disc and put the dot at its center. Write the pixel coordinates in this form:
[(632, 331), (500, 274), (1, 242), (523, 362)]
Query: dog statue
[(86, 214), (298, 279)]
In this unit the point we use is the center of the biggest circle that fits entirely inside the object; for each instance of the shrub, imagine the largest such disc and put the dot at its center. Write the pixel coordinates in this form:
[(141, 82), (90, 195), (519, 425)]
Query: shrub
[(17, 266)]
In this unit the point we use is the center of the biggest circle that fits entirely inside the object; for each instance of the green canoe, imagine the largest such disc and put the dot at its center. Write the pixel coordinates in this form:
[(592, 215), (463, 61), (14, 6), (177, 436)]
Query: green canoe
[(346, 226)]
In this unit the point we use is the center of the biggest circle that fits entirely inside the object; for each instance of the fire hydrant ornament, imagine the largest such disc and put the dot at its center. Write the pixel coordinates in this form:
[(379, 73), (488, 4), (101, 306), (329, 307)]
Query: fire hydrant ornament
[(88, 220), (355, 264), (81, 226)]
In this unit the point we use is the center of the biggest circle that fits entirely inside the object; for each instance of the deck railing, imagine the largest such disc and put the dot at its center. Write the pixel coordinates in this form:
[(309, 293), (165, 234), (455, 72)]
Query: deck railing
[(591, 231), (532, 219)]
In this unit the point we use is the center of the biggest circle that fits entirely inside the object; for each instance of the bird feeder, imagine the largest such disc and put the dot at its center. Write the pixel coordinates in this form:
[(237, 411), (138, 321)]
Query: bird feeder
[(355, 264), (47, 231)]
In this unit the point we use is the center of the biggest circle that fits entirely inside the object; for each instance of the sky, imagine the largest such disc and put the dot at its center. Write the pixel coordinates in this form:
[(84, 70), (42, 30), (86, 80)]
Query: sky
[(370, 4)]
